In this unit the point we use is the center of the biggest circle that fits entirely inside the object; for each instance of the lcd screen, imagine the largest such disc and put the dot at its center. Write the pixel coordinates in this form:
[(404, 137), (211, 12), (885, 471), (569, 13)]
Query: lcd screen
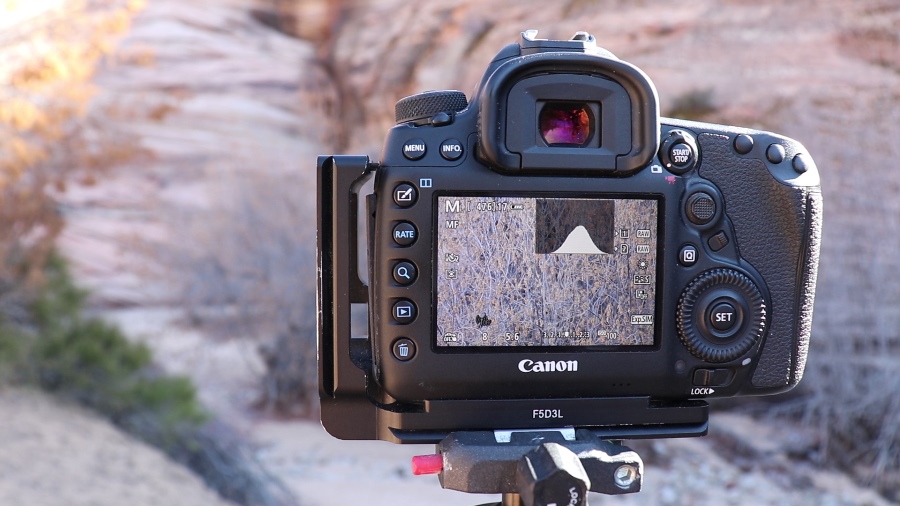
[(525, 271)]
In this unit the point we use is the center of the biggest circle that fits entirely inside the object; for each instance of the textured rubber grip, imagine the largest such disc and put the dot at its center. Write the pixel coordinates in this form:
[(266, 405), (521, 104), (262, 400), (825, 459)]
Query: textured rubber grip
[(780, 239)]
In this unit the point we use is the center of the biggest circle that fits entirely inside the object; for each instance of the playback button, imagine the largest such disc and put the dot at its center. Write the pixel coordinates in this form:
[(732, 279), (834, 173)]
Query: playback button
[(403, 311)]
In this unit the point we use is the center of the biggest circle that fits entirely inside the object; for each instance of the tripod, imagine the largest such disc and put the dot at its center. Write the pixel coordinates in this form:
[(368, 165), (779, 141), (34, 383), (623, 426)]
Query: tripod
[(534, 467)]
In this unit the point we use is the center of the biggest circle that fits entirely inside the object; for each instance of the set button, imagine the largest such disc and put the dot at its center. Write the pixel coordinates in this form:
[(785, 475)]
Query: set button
[(725, 318), (721, 316)]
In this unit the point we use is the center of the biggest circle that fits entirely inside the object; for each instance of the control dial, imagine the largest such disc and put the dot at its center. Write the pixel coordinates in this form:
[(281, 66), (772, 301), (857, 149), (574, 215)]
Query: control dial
[(425, 105), (721, 315)]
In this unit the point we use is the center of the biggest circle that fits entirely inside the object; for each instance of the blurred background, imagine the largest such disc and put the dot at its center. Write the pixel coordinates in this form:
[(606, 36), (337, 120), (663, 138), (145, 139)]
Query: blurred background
[(157, 278)]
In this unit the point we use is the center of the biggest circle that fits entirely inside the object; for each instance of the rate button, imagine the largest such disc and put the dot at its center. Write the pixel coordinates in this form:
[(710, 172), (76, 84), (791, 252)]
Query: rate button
[(404, 233)]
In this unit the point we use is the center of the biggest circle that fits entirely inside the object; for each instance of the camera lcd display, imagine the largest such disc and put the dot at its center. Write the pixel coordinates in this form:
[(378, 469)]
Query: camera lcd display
[(525, 271)]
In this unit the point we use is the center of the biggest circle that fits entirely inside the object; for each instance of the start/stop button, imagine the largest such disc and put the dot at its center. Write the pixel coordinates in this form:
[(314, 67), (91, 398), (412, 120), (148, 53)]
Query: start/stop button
[(678, 151), (681, 156)]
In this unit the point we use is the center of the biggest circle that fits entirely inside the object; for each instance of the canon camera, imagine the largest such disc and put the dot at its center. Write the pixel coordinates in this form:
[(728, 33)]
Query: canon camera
[(552, 253)]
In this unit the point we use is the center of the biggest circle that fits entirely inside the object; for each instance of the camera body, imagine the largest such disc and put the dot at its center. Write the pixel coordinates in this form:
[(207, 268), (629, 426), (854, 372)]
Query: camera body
[(554, 254)]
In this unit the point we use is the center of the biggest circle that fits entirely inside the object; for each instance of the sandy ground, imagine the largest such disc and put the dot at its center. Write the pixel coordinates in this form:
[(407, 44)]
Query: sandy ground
[(52, 454), (92, 463)]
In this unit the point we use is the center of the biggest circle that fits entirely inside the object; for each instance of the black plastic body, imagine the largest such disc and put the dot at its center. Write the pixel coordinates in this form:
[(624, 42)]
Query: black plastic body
[(769, 213)]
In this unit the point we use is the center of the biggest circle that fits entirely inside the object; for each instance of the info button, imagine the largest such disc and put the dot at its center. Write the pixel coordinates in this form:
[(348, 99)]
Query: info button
[(451, 149)]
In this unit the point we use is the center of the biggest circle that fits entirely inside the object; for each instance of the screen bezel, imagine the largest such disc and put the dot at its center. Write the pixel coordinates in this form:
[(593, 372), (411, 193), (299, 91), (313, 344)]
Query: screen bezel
[(659, 288)]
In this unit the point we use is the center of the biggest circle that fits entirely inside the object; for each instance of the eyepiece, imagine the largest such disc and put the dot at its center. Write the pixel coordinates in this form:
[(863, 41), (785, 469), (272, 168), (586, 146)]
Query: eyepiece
[(569, 124)]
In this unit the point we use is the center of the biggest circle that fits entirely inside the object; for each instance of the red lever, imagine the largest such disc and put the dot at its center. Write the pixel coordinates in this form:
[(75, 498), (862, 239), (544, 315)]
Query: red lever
[(427, 464)]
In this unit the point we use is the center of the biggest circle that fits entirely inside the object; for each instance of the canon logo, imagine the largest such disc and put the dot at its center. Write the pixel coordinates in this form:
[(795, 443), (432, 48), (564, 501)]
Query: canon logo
[(528, 365)]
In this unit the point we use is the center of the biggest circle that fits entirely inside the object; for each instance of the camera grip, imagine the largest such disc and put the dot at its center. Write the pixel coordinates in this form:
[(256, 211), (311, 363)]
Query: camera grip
[(778, 230)]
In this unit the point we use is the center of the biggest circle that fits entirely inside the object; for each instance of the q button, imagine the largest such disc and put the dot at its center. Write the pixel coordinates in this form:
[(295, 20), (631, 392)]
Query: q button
[(405, 273)]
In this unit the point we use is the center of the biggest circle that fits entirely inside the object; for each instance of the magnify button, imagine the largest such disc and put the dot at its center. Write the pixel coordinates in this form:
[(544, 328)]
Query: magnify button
[(405, 273)]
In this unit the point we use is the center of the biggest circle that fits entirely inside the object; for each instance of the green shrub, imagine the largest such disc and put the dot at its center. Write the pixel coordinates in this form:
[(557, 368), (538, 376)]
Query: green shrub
[(11, 352), (92, 362)]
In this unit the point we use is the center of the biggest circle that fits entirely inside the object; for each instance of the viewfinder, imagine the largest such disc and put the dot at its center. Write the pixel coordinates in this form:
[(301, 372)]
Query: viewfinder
[(566, 124)]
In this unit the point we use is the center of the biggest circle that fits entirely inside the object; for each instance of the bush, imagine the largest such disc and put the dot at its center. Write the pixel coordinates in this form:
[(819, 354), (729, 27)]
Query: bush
[(851, 401), (48, 63), (92, 363)]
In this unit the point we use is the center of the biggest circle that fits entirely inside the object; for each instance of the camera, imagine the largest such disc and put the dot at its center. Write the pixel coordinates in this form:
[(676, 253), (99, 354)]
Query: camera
[(555, 254)]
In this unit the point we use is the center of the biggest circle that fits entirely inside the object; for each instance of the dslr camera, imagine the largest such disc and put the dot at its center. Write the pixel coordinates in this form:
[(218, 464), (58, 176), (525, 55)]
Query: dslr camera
[(553, 254)]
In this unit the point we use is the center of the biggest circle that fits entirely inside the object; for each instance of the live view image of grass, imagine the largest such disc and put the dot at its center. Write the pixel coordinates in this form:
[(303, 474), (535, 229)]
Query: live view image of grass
[(516, 271)]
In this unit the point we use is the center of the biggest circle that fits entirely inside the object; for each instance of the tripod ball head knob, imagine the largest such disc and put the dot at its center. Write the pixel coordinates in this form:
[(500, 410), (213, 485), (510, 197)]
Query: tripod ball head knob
[(552, 474)]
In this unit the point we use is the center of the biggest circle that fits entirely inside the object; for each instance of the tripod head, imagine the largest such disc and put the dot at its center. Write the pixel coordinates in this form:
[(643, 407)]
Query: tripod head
[(534, 467)]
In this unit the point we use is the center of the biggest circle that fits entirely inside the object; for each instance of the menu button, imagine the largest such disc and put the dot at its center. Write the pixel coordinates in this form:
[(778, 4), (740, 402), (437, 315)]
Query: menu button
[(414, 149)]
